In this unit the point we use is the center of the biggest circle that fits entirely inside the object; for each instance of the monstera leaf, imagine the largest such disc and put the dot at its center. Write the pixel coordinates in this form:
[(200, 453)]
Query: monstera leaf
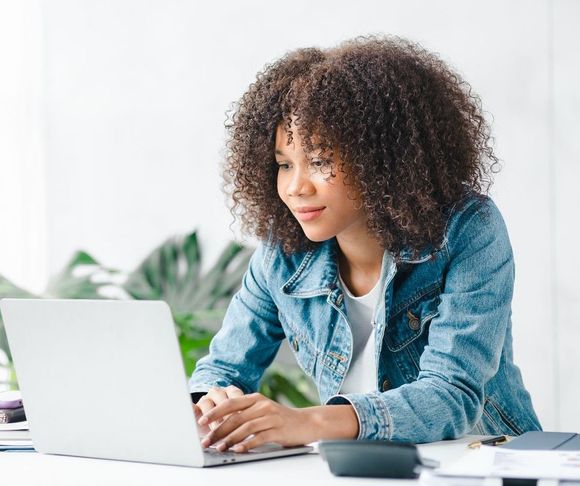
[(8, 289), (83, 277), (172, 272)]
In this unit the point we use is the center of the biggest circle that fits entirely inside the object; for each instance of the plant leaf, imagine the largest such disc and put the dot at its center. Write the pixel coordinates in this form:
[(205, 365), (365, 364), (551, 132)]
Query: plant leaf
[(223, 280), (288, 385), (8, 289), (83, 277), (172, 272)]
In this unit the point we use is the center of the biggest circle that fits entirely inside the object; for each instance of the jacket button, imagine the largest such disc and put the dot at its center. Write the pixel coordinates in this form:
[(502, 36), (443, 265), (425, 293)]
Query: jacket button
[(339, 299), (295, 344), (414, 323), (386, 385)]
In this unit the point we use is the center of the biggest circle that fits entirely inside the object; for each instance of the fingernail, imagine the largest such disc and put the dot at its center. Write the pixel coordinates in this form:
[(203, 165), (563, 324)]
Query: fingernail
[(205, 442), (202, 421), (238, 448), (221, 446)]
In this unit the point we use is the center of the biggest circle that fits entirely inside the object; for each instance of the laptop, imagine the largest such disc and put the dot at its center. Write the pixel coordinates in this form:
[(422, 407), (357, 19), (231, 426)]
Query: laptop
[(105, 379)]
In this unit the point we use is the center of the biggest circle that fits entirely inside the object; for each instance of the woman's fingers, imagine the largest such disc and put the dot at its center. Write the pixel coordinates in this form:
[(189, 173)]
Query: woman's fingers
[(218, 395), (234, 421), (233, 391), (252, 427), (213, 398), (203, 429), (205, 404), (236, 404), (255, 440)]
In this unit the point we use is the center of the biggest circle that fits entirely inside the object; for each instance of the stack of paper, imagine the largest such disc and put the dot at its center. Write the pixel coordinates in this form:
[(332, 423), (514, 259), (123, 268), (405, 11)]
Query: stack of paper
[(14, 433), (15, 436), (511, 463)]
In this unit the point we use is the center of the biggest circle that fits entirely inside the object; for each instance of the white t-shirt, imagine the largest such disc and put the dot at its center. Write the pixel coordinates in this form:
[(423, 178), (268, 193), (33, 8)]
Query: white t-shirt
[(362, 373)]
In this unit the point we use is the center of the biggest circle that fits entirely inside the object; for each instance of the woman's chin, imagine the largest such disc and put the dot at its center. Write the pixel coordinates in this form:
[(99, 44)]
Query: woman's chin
[(317, 236)]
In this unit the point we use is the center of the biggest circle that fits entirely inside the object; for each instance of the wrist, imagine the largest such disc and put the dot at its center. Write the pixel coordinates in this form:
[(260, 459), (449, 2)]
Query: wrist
[(333, 422)]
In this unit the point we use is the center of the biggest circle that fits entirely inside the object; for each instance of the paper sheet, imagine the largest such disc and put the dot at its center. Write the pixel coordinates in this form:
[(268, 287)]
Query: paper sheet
[(509, 463)]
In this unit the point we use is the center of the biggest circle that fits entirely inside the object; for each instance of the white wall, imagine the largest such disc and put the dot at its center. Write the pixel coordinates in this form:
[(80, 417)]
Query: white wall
[(566, 203), (135, 98), (23, 252)]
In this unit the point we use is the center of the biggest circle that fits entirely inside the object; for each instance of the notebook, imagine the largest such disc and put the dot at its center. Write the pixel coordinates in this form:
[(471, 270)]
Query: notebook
[(544, 441)]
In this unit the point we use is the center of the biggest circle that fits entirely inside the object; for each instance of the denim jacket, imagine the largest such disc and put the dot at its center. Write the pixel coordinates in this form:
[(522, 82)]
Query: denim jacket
[(443, 336)]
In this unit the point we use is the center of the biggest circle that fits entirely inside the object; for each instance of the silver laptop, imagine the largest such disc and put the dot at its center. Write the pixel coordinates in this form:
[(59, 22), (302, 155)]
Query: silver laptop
[(105, 379)]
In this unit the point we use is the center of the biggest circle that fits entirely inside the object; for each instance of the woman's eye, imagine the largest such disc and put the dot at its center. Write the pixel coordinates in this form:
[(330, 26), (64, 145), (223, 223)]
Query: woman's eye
[(320, 164), (282, 166)]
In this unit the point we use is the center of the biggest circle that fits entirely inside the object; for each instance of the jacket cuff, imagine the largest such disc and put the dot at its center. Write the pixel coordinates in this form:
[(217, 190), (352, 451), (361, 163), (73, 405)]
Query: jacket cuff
[(196, 396), (371, 411)]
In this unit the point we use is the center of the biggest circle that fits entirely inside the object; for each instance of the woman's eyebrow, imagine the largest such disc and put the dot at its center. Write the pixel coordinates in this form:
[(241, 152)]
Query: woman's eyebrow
[(281, 152)]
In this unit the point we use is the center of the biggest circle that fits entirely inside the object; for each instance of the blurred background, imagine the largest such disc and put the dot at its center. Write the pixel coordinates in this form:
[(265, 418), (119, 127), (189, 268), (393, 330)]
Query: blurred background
[(111, 135)]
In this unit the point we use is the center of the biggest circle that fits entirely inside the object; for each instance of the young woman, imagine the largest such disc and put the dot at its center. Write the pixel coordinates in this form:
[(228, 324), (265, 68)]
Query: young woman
[(363, 169)]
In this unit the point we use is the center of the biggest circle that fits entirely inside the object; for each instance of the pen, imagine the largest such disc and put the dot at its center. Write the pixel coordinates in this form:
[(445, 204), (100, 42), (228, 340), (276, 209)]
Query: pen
[(502, 439)]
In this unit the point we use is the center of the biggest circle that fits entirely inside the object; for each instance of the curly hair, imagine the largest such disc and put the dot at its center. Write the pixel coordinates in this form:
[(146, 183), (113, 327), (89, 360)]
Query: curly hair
[(409, 130)]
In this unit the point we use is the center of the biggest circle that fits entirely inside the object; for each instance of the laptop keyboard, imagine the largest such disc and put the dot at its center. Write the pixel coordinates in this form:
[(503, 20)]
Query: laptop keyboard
[(225, 454), (212, 452)]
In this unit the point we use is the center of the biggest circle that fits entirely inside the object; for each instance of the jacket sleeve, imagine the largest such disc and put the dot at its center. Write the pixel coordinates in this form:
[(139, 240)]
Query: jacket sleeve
[(464, 345), (249, 337)]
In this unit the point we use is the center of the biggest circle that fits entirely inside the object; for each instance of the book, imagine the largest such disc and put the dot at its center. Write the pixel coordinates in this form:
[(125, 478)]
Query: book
[(10, 415), (10, 399), (15, 440), (14, 435), (14, 426)]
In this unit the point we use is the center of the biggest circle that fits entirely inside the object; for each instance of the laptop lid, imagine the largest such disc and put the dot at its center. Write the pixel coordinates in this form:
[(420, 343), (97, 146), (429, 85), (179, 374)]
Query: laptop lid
[(103, 379)]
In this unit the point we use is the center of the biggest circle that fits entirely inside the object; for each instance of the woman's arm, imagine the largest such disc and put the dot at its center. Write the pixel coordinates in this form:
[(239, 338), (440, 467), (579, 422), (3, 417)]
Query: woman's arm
[(239, 353), (249, 337)]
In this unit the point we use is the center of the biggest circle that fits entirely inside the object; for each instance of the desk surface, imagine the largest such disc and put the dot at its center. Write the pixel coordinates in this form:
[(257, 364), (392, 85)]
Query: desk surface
[(25, 468)]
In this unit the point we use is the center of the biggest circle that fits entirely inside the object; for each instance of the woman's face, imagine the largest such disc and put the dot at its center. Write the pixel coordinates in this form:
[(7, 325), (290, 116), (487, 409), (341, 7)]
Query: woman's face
[(322, 204)]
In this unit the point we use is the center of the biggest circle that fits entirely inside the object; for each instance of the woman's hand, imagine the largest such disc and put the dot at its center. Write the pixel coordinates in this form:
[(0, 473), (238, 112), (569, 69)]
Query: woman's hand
[(214, 397), (249, 421)]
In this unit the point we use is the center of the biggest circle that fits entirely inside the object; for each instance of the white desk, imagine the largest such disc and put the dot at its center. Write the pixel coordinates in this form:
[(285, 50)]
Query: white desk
[(26, 468)]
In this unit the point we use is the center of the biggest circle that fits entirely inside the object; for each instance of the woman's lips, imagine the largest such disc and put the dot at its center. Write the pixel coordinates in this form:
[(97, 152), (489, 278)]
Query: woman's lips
[(308, 214)]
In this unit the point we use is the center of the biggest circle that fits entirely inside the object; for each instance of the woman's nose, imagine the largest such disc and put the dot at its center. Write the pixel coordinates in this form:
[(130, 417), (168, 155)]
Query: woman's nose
[(300, 184)]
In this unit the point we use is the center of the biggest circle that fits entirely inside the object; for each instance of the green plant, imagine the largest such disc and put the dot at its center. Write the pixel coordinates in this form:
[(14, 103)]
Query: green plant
[(8, 289), (172, 272)]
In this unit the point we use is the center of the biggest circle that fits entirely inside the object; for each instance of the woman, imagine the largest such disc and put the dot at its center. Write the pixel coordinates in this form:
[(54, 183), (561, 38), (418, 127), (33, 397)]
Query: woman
[(363, 169)]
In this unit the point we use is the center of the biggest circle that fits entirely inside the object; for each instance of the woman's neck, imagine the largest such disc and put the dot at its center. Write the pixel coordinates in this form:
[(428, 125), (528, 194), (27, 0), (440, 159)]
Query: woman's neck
[(359, 260)]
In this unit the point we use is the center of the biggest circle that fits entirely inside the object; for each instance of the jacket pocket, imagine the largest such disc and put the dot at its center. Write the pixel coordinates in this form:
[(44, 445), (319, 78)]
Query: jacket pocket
[(411, 321), (499, 418)]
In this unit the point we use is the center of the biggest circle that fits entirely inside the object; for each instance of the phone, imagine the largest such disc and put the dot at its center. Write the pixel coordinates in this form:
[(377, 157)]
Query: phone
[(10, 399), (373, 458)]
